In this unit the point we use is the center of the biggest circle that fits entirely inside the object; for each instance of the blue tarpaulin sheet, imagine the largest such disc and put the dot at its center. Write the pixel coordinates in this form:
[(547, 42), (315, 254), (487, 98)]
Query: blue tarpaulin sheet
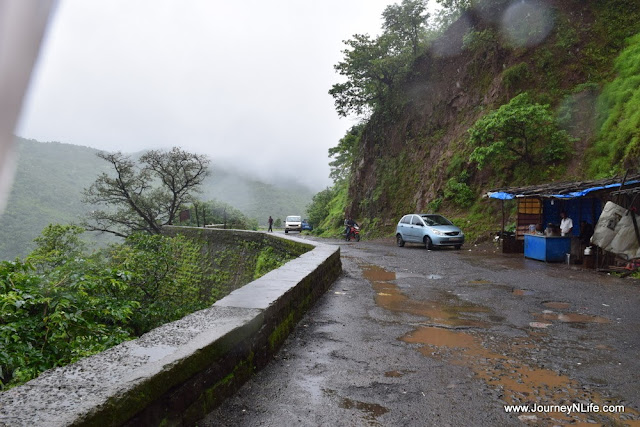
[(503, 195)]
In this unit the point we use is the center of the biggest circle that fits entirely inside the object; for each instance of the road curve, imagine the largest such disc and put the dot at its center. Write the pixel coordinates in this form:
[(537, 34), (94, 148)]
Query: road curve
[(414, 337)]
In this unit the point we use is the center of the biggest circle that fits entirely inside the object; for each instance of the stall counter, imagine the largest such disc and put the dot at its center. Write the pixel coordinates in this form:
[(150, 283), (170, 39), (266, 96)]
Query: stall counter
[(548, 249)]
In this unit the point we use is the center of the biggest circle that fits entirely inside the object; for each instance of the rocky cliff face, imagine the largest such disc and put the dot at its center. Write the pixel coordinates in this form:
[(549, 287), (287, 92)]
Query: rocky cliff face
[(561, 51)]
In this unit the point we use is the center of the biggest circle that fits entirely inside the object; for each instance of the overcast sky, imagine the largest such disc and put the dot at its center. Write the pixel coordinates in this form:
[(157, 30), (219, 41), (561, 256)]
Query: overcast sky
[(243, 82)]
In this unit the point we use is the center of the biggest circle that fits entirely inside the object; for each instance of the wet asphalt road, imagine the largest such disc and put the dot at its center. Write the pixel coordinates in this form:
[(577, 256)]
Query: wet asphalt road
[(414, 337)]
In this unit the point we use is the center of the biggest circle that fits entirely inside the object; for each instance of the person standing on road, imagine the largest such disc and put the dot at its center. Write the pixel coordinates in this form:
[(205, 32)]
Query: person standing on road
[(270, 224), (566, 224)]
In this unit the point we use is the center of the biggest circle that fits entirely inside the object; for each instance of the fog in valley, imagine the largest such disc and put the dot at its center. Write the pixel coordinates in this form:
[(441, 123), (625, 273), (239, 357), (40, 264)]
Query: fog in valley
[(245, 83)]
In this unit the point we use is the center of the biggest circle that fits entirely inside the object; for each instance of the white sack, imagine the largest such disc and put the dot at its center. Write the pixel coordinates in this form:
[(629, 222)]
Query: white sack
[(615, 232)]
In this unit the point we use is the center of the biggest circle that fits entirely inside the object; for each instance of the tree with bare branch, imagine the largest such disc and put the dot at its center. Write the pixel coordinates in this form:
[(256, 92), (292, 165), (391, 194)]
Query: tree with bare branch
[(144, 195)]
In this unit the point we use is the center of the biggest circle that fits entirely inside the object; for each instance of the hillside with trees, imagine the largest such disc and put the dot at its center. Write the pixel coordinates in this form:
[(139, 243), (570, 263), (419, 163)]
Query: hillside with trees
[(489, 93), (51, 177)]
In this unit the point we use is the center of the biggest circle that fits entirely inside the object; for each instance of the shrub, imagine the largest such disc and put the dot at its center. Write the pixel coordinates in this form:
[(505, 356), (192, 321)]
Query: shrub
[(434, 205), (514, 77), (459, 192), (480, 41)]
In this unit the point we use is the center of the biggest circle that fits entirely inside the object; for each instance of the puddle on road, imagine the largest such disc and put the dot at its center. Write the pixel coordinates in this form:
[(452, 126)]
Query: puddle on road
[(371, 410), (569, 317), (501, 366), (556, 305), (397, 374), (522, 292), (518, 382), (480, 282), (449, 310)]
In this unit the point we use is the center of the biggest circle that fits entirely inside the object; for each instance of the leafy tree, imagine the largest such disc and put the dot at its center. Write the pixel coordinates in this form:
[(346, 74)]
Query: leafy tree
[(344, 154), (318, 209), (373, 67), (407, 23), (455, 4), (147, 196), (56, 245), (370, 72), (520, 131), (57, 317)]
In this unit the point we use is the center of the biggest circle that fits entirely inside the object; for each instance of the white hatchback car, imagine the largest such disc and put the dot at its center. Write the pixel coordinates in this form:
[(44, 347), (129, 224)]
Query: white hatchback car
[(293, 223)]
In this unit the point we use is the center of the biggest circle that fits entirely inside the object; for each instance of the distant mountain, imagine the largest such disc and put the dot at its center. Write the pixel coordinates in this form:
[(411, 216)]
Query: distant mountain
[(255, 198), (50, 178)]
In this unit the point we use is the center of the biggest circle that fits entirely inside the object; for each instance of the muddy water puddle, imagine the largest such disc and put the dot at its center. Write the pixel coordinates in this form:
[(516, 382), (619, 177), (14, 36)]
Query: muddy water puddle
[(371, 411), (479, 282), (520, 383), (556, 305), (397, 374), (447, 310), (501, 365), (549, 315)]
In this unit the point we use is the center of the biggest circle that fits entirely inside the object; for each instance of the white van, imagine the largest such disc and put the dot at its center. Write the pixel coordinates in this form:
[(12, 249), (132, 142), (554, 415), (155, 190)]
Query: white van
[(293, 223)]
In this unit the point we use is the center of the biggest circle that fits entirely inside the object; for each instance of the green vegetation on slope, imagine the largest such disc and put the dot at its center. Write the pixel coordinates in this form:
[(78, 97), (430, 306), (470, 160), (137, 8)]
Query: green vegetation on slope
[(47, 189), (548, 66), (327, 208), (618, 144), (61, 304)]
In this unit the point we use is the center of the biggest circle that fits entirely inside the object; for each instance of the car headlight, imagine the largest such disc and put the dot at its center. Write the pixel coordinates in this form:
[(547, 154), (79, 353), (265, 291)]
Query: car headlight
[(437, 232)]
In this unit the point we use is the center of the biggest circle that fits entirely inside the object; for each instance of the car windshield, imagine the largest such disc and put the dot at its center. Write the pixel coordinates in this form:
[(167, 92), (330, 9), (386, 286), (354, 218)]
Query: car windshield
[(436, 220), (293, 219)]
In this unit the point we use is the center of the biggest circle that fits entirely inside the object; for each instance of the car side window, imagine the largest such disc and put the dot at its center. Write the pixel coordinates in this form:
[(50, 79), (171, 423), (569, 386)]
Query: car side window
[(406, 219), (416, 220)]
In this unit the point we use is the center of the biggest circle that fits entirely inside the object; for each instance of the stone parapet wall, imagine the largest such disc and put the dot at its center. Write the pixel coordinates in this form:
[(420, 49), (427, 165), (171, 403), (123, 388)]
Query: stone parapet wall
[(177, 373), (238, 249)]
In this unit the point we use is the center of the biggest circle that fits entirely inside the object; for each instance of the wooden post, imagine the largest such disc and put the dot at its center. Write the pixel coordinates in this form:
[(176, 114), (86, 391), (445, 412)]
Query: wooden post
[(502, 235), (620, 195), (204, 216)]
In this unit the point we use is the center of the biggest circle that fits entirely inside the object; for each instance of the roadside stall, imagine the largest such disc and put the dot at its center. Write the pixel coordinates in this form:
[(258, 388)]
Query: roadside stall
[(537, 233)]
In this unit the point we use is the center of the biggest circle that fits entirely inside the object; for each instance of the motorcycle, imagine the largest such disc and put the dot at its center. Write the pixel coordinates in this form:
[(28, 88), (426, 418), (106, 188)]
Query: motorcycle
[(353, 233)]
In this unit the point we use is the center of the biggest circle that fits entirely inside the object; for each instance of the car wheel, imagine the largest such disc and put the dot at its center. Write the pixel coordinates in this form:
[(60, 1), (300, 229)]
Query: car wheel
[(399, 240), (458, 247), (286, 231), (427, 242)]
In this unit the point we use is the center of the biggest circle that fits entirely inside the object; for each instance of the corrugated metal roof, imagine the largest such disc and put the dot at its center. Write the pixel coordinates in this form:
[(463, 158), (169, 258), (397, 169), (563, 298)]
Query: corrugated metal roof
[(564, 190)]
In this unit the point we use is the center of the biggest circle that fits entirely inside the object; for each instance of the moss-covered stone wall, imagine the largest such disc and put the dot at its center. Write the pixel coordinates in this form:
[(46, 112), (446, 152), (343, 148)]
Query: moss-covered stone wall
[(177, 373)]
